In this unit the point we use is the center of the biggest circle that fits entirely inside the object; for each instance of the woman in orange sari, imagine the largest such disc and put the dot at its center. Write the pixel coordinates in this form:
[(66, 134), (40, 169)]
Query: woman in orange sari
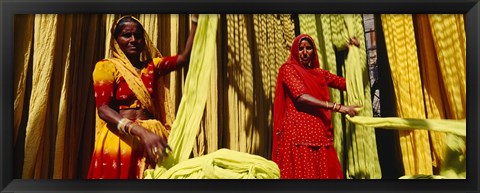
[(302, 127), (135, 120)]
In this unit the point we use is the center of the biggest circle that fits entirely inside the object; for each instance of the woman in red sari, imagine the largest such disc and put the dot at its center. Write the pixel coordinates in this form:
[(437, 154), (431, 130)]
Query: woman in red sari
[(133, 120), (302, 128)]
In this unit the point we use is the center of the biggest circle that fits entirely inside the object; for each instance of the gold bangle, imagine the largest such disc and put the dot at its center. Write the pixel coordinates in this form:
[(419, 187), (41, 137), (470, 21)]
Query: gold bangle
[(327, 104), (194, 19), (129, 128), (334, 106), (122, 123)]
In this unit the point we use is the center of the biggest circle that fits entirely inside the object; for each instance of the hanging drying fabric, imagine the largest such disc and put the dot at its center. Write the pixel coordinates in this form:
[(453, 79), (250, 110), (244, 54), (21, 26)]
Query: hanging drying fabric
[(222, 163)]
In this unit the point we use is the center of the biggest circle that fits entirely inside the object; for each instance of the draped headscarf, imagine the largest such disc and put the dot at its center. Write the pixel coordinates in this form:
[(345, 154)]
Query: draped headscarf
[(310, 79)]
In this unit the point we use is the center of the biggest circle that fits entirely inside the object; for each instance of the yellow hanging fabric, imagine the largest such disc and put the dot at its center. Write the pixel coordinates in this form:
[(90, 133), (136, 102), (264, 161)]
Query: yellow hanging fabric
[(23, 44), (62, 131), (433, 86), (273, 37), (43, 46), (450, 43), (109, 21), (448, 32), (402, 56), (239, 86), (221, 164), (175, 76)]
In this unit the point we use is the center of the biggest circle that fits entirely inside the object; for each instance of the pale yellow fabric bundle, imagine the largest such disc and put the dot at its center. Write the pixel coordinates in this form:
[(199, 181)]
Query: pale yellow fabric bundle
[(222, 164)]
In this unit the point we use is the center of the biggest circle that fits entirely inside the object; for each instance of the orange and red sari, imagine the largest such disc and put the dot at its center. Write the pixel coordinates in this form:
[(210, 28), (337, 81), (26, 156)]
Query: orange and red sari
[(118, 85)]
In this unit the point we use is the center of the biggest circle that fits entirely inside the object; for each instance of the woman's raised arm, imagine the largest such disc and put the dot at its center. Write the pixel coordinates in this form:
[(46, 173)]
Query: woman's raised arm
[(183, 57)]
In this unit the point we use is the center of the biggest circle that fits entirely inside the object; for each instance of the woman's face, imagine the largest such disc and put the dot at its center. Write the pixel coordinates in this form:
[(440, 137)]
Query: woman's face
[(305, 52), (130, 40)]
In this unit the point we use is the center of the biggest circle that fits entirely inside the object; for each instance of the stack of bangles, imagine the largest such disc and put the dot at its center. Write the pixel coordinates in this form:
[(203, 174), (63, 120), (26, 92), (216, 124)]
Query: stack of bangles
[(334, 107), (194, 19), (125, 123)]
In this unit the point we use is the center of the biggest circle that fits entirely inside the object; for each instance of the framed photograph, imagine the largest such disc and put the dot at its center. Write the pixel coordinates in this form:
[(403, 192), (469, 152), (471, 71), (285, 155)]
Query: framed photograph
[(215, 96)]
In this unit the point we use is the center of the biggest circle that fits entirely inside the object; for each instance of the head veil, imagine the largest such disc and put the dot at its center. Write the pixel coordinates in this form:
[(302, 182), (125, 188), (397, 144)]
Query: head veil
[(280, 96), (294, 58), (159, 107)]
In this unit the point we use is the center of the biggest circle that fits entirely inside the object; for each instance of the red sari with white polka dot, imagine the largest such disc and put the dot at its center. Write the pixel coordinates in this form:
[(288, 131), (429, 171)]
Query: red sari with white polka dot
[(116, 155), (303, 135)]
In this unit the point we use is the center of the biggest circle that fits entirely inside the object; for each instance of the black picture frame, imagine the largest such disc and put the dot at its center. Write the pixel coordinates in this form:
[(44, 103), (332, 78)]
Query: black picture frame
[(8, 8)]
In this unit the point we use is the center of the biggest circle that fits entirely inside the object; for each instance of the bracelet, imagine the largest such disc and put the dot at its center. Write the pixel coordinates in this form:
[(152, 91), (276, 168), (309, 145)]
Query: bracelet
[(129, 128), (194, 19), (327, 104), (339, 107), (122, 123), (334, 106)]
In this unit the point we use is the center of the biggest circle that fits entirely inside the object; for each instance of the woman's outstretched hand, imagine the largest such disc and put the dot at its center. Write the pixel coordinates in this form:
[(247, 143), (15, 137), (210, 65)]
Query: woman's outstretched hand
[(351, 110), (354, 41)]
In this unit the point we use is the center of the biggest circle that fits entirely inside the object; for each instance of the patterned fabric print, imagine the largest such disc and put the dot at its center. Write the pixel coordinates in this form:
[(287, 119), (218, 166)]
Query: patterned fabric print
[(103, 82), (309, 162), (303, 142), (105, 75), (113, 157), (306, 148), (118, 156)]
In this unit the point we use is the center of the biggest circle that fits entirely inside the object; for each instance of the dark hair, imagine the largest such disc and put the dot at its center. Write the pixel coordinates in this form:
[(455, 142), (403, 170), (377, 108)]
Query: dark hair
[(306, 38), (121, 23)]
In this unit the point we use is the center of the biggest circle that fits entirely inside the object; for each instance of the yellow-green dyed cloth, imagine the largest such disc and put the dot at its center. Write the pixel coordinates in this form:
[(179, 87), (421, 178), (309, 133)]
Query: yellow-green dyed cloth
[(221, 164), (454, 166), (457, 127), (192, 105), (224, 163)]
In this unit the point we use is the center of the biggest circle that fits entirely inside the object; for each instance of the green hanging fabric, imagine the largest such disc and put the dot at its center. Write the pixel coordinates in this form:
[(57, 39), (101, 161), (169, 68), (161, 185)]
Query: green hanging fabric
[(190, 112), (454, 166), (363, 149), (457, 127), (223, 163)]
